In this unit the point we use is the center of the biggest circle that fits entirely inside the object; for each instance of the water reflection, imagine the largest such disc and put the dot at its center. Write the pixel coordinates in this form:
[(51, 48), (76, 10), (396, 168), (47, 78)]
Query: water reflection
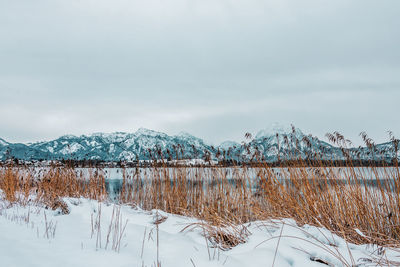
[(114, 186)]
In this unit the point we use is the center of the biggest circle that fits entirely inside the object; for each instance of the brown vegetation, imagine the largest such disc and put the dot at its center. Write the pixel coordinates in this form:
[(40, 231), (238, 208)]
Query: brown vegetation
[(347, 201)]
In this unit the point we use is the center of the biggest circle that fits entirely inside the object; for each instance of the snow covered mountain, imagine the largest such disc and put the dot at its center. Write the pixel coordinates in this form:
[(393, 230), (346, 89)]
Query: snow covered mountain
[(273, 143), (112, 147), (281, 143)]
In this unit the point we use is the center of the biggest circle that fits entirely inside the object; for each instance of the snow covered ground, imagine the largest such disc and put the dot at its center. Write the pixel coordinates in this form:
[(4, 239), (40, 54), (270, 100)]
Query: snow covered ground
[(34, 236)]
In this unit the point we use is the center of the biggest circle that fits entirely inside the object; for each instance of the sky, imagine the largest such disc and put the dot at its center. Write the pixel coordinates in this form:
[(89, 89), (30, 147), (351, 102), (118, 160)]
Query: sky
[(214, 68)]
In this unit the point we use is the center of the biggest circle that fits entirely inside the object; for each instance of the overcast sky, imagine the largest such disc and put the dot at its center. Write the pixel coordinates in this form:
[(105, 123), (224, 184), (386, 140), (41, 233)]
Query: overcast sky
[(214, 68)]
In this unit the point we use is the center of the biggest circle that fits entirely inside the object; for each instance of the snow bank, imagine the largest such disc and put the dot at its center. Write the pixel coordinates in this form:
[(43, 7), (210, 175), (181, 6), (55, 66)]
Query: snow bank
[(34, 236)]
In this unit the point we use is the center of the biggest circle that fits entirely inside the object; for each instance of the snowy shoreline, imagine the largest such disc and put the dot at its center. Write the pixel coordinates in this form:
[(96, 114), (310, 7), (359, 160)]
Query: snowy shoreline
[(27, 239)]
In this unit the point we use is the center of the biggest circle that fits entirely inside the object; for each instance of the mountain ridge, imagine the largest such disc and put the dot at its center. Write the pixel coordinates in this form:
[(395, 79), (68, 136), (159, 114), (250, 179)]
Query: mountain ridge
[(273, 143)]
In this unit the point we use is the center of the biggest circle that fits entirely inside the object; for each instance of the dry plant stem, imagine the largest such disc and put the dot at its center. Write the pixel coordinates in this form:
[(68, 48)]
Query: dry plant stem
[(144, 237), (157, 223), (208, 248), (98, 227), (311, 191), (277, 245)]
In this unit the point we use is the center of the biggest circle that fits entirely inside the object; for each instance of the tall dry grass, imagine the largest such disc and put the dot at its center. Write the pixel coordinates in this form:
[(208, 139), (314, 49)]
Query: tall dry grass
[(360, 204), (48, 186), (347, 205)]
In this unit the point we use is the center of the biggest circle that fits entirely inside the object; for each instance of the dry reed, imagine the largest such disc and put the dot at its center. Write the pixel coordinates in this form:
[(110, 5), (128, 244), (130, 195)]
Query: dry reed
[(347, 201)]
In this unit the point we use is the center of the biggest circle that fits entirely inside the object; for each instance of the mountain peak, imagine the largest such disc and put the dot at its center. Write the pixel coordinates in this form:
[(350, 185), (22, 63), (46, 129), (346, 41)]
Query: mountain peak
[(277, 128), (185, 134), (145, 131), (113, 137), (68, 136)]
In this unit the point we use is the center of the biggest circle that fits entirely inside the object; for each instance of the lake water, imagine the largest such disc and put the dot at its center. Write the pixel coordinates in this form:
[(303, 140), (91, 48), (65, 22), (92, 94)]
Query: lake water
[(209, 177)]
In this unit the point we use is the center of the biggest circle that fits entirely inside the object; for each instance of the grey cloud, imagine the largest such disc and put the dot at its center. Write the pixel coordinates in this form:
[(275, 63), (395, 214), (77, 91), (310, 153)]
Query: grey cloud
[(213, 68)]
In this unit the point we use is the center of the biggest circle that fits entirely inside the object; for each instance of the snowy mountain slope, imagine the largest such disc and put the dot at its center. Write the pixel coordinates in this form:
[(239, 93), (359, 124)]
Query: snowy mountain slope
[(112, 147), (289, 143), (273, 143), (3, 142)]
